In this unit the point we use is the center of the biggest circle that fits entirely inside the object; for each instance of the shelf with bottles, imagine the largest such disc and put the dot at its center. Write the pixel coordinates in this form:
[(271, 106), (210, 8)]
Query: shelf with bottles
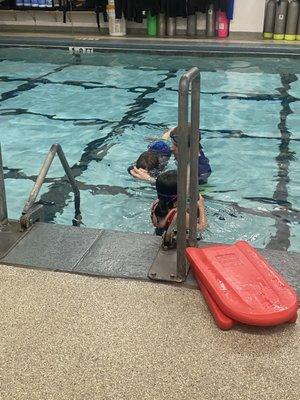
[(31, 5), (47, 5)]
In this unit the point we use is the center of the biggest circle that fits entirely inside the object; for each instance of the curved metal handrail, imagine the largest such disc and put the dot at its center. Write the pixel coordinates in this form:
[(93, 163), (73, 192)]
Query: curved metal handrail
[(55, 149), (187, 157), (3, 206), (171, 264)]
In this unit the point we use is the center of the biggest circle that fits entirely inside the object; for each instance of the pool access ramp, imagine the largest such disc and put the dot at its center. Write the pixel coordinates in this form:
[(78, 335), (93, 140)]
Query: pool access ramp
[(106, 253)]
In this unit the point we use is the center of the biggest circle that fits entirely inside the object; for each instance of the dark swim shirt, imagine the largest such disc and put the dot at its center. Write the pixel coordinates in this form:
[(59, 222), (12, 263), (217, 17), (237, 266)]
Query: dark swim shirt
[(204, 169)]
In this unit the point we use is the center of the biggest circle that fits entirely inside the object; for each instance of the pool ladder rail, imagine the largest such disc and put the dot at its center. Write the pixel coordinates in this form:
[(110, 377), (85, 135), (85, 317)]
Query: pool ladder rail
[(171, 264), (34, 211)]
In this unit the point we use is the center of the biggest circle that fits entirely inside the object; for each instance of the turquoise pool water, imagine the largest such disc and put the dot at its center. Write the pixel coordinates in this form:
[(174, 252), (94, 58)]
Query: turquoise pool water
[(104, 108)]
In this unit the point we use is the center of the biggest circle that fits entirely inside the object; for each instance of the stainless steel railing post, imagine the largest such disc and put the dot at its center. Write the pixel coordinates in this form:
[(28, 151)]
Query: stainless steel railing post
[(183, 104), (3, 205), (194, 154), (188, 152)]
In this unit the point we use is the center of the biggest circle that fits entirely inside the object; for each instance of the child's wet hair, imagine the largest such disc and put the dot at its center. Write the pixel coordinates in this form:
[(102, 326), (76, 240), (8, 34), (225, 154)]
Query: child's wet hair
[(166, 184), (166, 187), (148, 161)]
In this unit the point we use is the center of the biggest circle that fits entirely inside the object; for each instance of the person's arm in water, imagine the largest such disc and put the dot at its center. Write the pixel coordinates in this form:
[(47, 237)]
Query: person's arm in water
[(202, 220), (141, 174), (166, 134)]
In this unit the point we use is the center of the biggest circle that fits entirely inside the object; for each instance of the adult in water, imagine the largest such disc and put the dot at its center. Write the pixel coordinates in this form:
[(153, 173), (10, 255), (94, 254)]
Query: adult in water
[(204, 169)]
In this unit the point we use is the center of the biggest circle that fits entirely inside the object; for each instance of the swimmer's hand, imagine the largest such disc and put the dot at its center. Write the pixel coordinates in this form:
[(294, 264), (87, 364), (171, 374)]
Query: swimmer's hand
[(166, 134), (200, 199), (140, 173), (202, 222)]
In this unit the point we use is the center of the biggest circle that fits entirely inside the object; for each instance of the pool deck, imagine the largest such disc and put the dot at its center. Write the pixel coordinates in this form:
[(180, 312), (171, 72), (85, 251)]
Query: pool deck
[(86, 333), (66, 336), (236, 43), (105, 253)]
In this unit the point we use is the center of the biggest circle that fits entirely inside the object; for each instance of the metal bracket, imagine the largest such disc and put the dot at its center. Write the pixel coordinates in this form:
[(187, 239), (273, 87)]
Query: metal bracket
[(34, 214), (164, 267)]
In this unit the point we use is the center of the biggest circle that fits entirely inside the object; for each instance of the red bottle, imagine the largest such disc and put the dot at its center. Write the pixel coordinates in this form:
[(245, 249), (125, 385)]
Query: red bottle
[(223, 24)]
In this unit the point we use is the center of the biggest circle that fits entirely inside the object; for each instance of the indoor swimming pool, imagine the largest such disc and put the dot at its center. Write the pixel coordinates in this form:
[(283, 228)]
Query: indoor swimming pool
[(105, 108)]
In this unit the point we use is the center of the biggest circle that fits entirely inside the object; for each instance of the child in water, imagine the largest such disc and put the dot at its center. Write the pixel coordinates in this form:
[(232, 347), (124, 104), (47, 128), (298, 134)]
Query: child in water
[(153, 161), (148, 161), (164, 209), (204, 169)]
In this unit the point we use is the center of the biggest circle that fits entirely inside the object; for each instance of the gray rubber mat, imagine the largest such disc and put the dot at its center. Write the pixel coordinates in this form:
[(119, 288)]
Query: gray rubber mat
[(127, 255), (52, 246), (10, 234), (111, 253), (87, 251)]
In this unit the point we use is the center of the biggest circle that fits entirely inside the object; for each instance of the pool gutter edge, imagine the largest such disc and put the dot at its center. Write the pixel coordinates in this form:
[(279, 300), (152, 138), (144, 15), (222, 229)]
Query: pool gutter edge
[(157, 45)]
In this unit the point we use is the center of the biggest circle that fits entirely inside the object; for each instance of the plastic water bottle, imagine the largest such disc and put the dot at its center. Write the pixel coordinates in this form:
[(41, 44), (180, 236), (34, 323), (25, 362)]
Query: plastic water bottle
[(270, 19), (41, 3), (298, 29), (171, 26), (223, 25), (116, 27), (211, 21), (49, 3), (19, 3), (191, 25), (34, 3), (292, 20), (151, 24), (280, 19), (161, 25)]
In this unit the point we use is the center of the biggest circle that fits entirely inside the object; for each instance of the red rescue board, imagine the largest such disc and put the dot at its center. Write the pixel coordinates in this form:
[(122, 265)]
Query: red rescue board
[(243, 285), (225, 323)]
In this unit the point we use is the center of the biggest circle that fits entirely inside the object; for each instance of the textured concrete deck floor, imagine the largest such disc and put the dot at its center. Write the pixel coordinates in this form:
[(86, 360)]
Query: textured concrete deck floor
[(65, 336)]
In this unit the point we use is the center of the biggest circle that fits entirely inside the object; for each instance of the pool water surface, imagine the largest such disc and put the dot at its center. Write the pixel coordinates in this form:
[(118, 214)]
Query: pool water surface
[(105, 108)]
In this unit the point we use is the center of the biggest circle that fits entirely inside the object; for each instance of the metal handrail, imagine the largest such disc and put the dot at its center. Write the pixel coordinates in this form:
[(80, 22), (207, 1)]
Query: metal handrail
[(188, 152), (55, 149), (3, 205)]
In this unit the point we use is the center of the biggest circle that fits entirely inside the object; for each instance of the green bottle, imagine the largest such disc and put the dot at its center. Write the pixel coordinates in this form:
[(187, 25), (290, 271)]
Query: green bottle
[(151, 24)]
